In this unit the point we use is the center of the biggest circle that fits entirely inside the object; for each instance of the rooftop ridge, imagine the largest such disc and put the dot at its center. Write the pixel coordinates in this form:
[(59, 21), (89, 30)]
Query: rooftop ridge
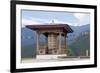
[(66, 27)]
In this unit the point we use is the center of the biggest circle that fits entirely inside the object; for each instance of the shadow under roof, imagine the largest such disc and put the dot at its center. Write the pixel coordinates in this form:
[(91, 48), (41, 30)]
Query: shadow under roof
[(65, 27)]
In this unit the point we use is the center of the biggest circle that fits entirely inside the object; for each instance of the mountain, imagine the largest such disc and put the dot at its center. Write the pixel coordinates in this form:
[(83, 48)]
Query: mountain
[(28, 42), (28, 51), (77, 31), (27, 36), (81, 44), (76, 41)]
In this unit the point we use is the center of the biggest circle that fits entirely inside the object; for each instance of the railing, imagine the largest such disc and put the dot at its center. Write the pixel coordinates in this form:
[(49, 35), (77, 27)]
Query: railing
[(54, 46)]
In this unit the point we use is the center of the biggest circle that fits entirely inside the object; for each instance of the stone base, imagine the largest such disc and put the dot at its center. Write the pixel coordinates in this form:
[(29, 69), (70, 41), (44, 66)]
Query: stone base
[(49, 56)]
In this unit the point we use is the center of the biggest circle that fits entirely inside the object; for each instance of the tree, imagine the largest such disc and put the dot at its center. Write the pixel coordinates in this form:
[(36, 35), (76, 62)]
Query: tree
[(69, 52)]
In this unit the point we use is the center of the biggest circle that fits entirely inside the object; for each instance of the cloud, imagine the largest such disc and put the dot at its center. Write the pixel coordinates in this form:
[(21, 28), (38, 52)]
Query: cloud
[(61, 22), (31, 21), (83, 18), (38, 21)]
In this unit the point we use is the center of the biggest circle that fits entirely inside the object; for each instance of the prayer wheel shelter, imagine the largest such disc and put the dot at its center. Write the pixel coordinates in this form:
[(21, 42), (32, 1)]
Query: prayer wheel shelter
[(54, 34)]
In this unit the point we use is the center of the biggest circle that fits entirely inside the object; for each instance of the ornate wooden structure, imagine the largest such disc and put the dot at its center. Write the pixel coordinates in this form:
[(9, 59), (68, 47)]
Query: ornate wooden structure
[(54, 34)]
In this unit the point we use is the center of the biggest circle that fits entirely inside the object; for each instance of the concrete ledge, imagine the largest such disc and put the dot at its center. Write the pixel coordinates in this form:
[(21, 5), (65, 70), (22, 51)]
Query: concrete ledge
[(49, 56)]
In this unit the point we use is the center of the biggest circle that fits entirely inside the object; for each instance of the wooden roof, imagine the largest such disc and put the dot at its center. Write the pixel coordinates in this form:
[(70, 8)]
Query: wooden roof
[(50, 27)]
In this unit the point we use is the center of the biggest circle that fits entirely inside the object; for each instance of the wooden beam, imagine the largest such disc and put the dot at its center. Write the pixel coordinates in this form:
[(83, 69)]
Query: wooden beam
[(59, 43), (37, 41)]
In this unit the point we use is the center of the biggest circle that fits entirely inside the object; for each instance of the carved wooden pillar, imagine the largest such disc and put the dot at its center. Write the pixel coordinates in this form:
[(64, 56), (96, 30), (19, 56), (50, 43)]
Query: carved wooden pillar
[(65, 41), (46, 48), (59, 43), (37, 41)]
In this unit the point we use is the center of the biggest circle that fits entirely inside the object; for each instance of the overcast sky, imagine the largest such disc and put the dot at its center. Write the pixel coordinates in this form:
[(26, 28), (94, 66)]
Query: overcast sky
[(31, 17)]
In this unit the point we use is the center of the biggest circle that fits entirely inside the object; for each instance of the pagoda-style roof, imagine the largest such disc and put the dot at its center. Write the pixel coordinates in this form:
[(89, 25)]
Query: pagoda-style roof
[(50, 27)]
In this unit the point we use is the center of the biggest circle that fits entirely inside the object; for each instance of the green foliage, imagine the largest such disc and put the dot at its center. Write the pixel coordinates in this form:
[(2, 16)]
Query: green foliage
[(69, 52), (80, 45), (77, 48), (28, 51)]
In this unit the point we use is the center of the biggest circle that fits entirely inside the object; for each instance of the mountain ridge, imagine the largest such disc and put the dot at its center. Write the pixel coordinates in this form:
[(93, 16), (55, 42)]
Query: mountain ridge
[(28, 38)]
